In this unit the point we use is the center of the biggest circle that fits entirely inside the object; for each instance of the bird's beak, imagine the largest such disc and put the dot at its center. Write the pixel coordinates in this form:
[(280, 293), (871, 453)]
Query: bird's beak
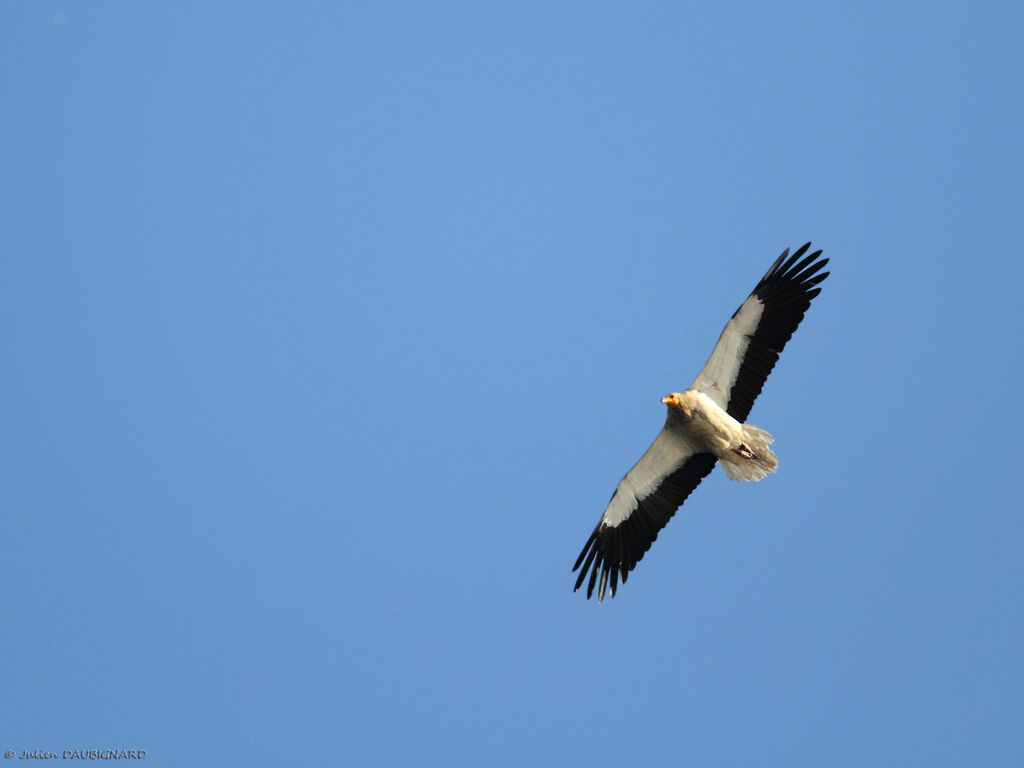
[(669, 400)]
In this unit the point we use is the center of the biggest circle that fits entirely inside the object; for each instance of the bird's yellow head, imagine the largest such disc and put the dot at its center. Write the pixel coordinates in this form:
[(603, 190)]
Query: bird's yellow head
[(674, 400)]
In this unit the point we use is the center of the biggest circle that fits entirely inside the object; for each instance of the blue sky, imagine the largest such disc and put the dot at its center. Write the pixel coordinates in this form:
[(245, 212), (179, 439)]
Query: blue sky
[(328, 330)]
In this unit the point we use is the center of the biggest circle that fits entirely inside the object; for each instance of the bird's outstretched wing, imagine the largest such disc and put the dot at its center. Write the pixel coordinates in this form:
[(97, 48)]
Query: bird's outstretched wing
[(644, 501), (757, 332)]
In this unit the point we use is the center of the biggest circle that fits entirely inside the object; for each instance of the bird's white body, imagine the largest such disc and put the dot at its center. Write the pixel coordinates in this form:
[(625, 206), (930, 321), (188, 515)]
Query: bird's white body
[(742, 449)]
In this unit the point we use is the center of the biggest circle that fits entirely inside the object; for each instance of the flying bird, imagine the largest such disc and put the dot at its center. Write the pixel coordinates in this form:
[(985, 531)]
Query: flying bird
[(705, 424)]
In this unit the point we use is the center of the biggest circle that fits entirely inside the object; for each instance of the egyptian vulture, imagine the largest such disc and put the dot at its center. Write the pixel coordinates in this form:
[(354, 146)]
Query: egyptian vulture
[(705, 424)]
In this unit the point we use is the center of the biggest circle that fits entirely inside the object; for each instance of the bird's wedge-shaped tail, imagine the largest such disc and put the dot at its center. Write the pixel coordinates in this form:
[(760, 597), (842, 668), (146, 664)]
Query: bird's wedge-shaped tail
[(754, 459)]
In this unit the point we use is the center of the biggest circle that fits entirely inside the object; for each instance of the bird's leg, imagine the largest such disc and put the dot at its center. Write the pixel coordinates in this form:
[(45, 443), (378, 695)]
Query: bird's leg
[(744, 450)]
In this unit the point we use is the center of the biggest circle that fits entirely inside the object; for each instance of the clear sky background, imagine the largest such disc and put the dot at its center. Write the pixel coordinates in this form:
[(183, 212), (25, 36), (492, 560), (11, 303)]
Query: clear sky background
[(327, 330)]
